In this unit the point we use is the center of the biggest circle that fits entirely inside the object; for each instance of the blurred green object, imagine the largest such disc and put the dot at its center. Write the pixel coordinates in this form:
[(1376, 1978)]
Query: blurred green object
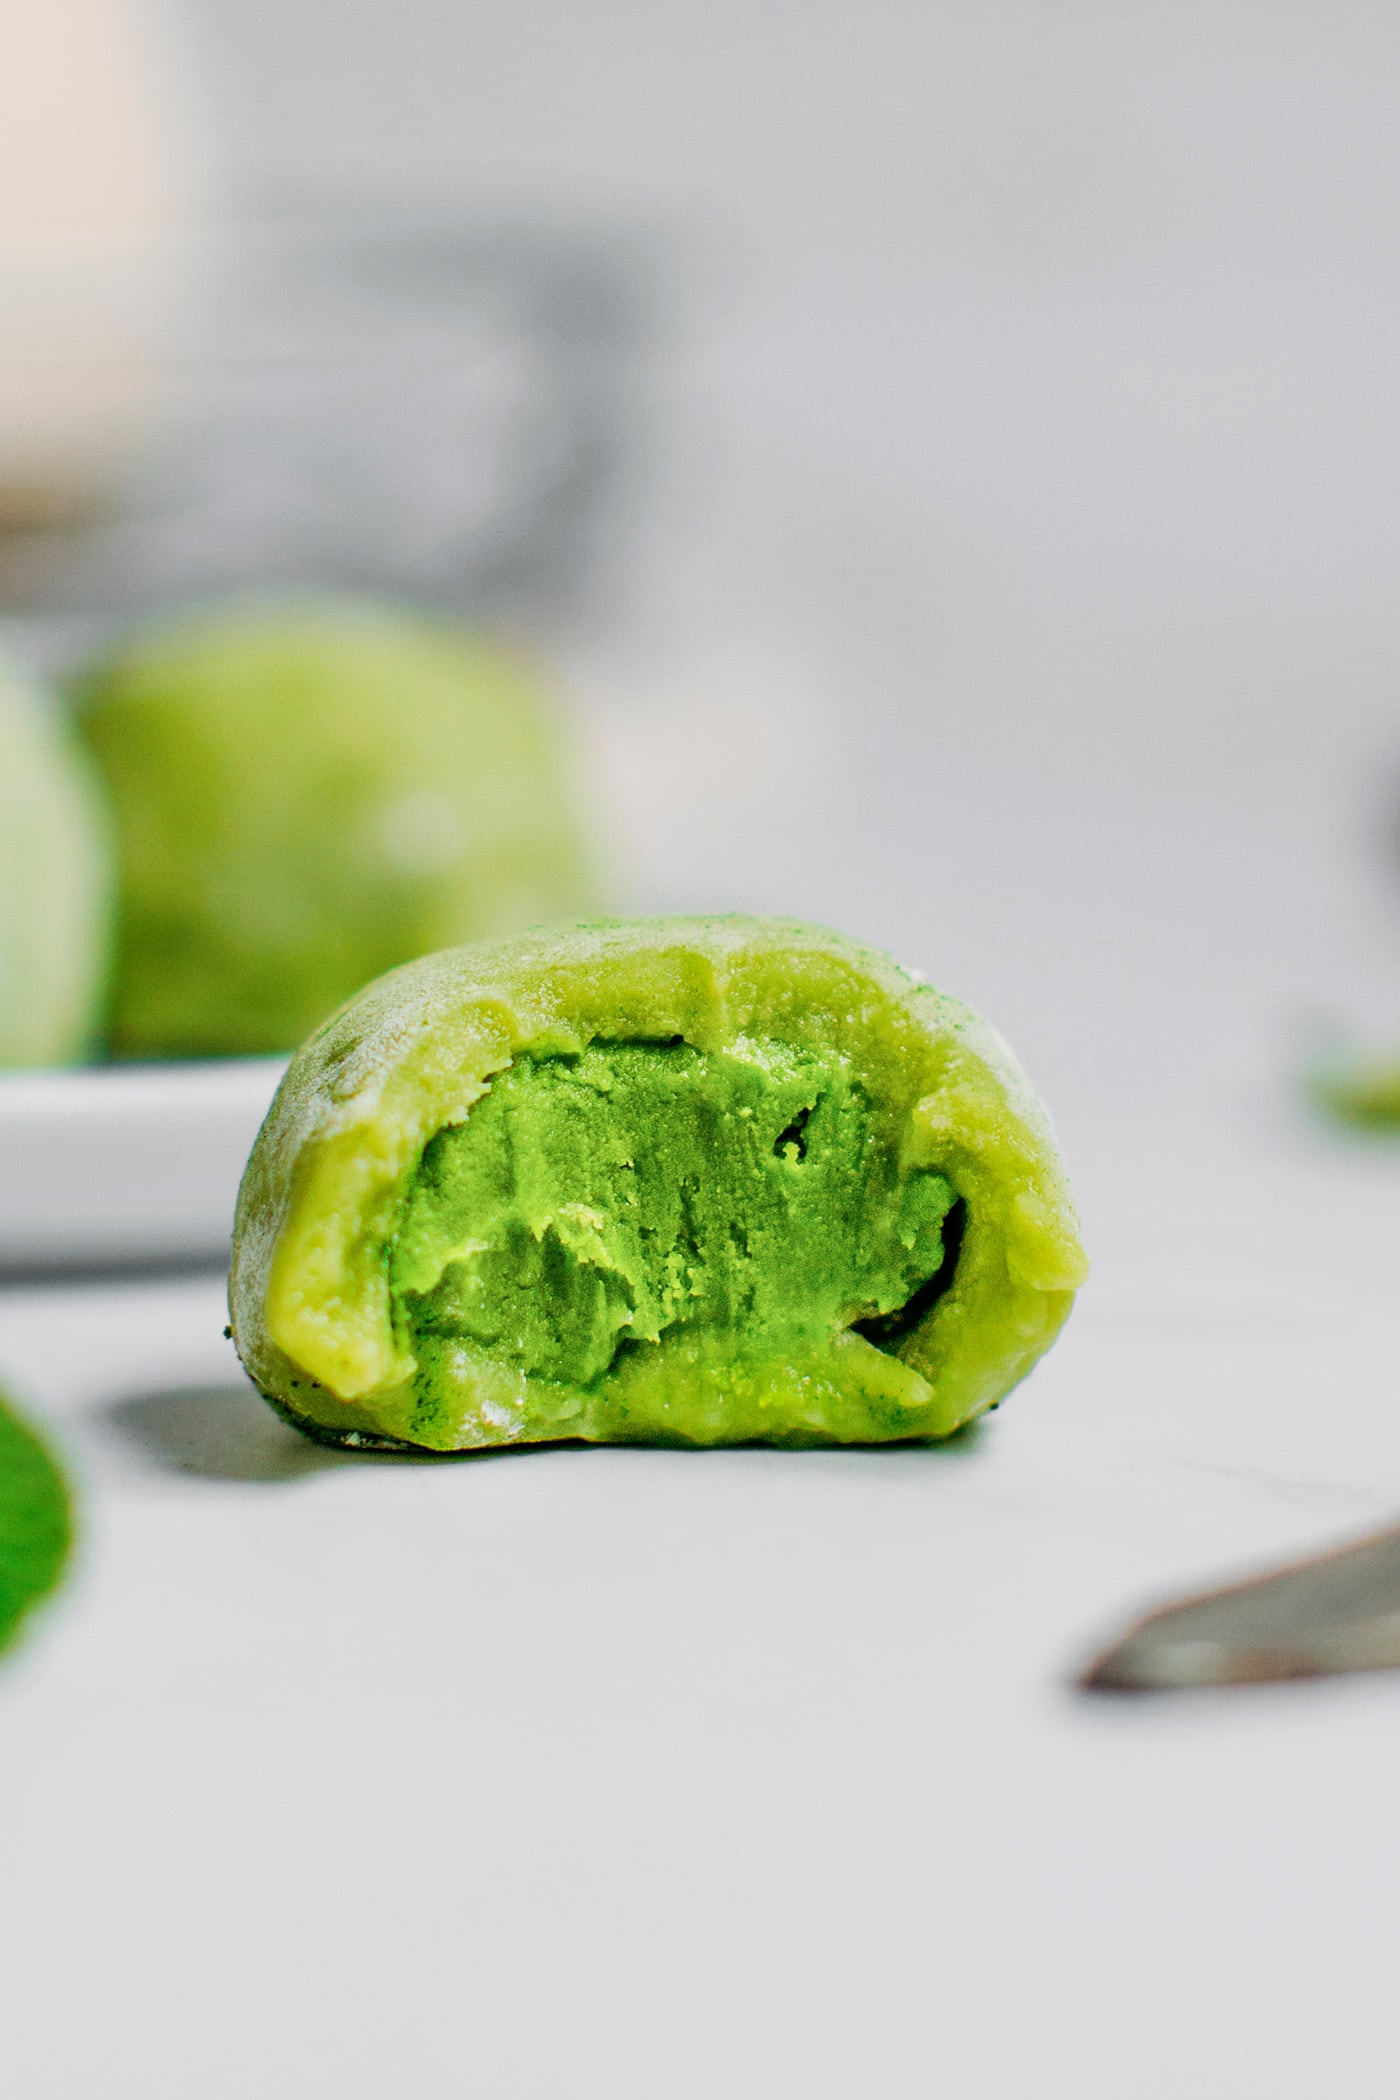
[(1364, 1094), (36, 1527), (55, 882), (308, 794)]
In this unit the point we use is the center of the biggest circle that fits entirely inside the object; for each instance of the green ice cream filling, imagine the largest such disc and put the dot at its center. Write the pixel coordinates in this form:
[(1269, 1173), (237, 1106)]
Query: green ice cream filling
[(746, 1203)]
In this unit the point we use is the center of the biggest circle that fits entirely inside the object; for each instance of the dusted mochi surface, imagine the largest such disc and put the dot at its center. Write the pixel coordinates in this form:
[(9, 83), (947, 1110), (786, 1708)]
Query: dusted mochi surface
[(683, 1180), (306, 795), (55, 883)]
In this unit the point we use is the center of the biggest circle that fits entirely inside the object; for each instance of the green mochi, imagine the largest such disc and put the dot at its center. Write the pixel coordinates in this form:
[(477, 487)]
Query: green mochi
[(696, 1181), (55, 883), (307, 795), (35, 1523)]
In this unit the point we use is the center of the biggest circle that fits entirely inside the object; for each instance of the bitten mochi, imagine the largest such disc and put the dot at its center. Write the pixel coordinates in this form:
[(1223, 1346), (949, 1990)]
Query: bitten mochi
[(681, 1180)]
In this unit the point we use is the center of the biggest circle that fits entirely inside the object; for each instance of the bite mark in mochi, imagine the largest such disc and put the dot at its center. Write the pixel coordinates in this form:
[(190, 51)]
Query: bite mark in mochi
[(681, 1180)]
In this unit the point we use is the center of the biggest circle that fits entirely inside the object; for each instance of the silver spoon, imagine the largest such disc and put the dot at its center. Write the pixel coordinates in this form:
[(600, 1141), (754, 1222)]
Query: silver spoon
[(1319, 1617)]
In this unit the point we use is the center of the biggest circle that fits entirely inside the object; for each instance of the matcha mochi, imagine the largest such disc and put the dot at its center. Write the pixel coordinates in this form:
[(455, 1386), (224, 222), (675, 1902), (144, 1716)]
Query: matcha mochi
[(678, 1180), (55, 883), (306, 796)]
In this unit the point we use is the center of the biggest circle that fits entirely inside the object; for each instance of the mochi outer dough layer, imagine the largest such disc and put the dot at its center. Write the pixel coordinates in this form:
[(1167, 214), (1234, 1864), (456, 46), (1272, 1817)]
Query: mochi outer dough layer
[(55, 883), (307, 796), (693, 1181)]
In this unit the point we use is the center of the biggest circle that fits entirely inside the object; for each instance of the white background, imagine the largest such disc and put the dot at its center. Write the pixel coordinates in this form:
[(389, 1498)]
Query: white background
[(1030, 396), (1020, 488)]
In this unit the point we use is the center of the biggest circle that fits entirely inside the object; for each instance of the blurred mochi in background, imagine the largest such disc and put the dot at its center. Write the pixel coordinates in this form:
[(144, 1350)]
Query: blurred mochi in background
[(56, 881)]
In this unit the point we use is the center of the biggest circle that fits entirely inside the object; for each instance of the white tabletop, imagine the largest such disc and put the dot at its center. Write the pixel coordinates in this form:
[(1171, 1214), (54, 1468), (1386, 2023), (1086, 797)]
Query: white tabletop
[(645, 1772)]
